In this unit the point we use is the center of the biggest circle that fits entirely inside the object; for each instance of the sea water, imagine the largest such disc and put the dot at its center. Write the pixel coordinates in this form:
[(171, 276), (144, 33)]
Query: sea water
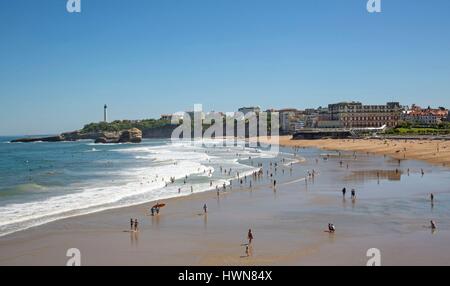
[(43, 182)]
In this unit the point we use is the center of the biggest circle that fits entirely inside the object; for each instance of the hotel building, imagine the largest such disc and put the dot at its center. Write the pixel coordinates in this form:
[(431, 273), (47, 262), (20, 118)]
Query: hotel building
[(357, 115)]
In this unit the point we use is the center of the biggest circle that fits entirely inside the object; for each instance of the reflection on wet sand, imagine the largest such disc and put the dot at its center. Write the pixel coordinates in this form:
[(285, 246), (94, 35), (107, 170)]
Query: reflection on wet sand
[(366, 175)]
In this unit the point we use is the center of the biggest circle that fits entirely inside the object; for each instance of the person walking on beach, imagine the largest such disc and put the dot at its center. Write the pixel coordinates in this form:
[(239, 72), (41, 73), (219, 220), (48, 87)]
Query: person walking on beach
[(274, 184), (136, 225), (205, 208), (432, 198), (344, 191), (131, 224), (433, 225), (152, 210), (250, 236), (353, 194)]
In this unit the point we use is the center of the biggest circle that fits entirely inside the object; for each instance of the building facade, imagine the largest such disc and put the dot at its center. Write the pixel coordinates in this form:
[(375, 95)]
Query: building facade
[(291, 120), (357, 115), (427, 116)]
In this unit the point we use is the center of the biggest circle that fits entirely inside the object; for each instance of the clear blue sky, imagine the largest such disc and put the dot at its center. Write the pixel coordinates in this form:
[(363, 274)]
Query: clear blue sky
[(147, 57)]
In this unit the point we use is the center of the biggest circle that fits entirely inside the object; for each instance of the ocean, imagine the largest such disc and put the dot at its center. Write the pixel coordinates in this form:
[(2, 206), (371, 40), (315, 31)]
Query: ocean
[(43, 182)]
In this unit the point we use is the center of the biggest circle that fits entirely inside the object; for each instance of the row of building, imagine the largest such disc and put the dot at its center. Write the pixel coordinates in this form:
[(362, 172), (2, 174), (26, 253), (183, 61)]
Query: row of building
[(352, 115)]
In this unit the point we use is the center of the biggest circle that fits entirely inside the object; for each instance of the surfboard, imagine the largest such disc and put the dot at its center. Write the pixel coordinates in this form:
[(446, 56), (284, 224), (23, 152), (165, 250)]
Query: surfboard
[(159, 205)]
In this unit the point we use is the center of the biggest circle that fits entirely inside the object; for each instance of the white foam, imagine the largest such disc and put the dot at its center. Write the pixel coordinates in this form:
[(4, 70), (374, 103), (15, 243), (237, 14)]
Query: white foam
[(133, 185)]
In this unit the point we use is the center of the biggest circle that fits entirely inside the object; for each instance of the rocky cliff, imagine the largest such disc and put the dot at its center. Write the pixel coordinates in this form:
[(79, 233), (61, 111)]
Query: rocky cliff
[(132, 135)]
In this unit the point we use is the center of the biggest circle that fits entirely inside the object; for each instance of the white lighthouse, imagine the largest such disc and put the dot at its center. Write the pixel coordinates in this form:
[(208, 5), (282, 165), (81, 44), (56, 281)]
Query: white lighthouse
[(105, 113)]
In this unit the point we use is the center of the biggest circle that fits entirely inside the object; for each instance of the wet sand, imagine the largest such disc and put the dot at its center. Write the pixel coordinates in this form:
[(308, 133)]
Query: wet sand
[(431, 151), (288, 224)]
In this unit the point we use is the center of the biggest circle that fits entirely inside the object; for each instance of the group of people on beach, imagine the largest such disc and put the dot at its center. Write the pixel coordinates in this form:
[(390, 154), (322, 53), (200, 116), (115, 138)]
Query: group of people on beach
[(134, 224), (155, 210), (270, 173), (352, 194)]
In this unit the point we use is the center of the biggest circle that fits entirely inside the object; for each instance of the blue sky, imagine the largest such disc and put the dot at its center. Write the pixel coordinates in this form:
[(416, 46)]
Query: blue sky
[(148, 57)]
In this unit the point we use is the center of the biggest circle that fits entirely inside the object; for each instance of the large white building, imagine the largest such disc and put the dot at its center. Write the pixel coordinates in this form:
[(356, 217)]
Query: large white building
[(355, 114)]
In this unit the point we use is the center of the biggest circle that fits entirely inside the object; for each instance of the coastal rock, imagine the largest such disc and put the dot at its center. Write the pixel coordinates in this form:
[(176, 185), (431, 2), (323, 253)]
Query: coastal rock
[(101, 140), (159, 132), (133, 135), (58, 138)]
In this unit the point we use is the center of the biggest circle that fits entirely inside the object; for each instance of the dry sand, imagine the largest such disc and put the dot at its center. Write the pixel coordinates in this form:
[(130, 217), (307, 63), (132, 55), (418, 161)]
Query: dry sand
[(431, 151)]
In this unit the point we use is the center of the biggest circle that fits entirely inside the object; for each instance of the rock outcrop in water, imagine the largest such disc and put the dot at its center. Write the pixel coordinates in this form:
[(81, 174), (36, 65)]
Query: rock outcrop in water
[(58, 138), (133, 135)]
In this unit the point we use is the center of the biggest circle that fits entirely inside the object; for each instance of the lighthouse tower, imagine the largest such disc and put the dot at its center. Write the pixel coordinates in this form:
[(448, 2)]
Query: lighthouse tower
[(105, 113)]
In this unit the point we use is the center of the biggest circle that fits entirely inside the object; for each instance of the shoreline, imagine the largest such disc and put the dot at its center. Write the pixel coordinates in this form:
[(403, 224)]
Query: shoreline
[(435, 152), (288, 225)]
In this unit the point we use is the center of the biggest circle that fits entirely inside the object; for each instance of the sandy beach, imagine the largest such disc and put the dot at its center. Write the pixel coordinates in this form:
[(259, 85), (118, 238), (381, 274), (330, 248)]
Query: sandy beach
[(392, 213), (431, 151)]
